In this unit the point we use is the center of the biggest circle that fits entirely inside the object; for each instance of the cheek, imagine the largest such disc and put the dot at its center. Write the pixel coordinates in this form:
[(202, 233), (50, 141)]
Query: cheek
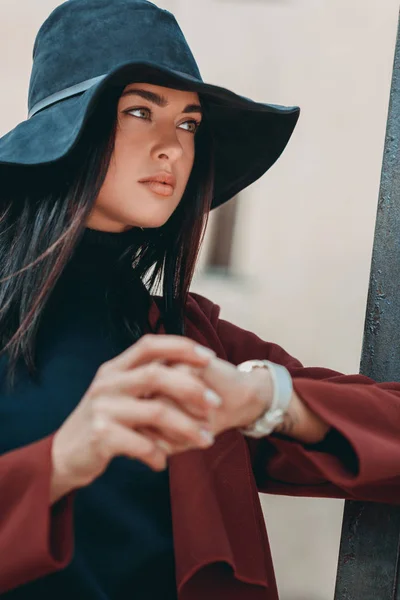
[(187, 160), (123, 164), (127, 151)]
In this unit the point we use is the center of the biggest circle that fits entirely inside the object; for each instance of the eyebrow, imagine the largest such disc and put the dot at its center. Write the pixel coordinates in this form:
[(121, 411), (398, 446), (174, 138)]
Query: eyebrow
[(160, 100)]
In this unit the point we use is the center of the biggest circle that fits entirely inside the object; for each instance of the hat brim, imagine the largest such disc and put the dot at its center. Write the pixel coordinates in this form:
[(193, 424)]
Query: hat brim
[(249, 136)]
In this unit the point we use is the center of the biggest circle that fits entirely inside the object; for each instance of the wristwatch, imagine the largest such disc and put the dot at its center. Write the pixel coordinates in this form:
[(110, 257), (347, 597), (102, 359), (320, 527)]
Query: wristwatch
[(282, 386)]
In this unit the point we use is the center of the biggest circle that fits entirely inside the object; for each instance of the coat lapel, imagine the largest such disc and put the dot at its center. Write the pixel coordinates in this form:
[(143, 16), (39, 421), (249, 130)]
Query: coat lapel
[(213, 511), (216, 514)]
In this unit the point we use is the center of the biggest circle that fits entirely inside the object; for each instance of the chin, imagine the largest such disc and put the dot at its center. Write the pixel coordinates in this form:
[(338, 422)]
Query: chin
[(150, 223), (154, 224), (154, 219)]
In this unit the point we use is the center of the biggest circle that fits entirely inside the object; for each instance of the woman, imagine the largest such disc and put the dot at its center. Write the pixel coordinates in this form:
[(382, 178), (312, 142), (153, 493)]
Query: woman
[(106, 190)]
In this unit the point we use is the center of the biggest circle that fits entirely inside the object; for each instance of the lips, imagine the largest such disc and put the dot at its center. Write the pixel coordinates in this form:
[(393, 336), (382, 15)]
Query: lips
[(160, 183)]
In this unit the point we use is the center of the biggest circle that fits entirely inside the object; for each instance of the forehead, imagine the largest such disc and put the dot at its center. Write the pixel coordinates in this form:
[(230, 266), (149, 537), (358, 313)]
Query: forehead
[(169, 93)]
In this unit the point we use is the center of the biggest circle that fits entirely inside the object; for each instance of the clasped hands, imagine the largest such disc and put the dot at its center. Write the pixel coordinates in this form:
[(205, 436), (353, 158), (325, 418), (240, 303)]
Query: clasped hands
[(194, 379), (163, 395)]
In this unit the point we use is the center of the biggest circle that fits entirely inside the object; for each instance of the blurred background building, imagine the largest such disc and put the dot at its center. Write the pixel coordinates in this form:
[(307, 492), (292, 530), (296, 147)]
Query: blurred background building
[(290, 257)]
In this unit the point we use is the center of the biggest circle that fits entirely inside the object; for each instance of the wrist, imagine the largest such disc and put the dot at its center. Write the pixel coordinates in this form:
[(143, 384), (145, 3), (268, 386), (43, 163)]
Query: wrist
[(280, 382), (261, 398), (302, 424), (62, 480)]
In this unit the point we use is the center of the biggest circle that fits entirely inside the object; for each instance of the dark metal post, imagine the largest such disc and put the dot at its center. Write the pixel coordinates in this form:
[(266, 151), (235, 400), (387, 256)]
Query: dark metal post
[(369, 561)]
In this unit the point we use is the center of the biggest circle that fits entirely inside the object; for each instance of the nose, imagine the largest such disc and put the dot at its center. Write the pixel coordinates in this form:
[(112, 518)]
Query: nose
[(168, 146)]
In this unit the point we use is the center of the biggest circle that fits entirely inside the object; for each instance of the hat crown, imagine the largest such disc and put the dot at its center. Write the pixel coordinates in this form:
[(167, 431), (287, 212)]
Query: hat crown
[(84, 39)]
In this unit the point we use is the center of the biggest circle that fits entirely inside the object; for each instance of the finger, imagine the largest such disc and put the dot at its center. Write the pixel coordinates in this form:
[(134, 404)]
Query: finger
[(160, 416), (165, 442), (188, 391), (170, 438), (121, 441), (220, 376), (196, 371), (161, 347)]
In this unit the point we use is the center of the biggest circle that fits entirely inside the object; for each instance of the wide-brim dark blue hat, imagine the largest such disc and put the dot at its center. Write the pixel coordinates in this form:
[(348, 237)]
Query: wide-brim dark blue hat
[(85, 45)]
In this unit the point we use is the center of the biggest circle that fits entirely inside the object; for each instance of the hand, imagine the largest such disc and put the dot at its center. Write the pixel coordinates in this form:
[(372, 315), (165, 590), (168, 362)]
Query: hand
[(245, 396), (112, 416)]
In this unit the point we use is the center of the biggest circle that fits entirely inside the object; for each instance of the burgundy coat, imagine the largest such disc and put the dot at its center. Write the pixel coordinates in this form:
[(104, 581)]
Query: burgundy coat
[(221, 544)]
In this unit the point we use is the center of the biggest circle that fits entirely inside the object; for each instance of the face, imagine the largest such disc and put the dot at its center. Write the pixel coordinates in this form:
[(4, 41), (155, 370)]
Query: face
[(152, 159)]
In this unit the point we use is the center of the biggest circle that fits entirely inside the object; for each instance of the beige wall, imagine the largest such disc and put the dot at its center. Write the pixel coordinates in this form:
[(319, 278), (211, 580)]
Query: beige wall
[(304, 238)]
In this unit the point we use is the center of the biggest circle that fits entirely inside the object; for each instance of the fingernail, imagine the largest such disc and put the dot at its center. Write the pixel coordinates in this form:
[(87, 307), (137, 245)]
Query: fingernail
[(207, 436), (212, 398), (203, 351)]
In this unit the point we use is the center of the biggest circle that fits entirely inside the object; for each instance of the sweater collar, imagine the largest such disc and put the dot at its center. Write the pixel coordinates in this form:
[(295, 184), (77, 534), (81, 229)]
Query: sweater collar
[(101, 251), (114, 241)]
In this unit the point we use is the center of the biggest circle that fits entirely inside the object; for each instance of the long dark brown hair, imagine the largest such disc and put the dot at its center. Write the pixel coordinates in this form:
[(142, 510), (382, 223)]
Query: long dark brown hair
[(43, 214)]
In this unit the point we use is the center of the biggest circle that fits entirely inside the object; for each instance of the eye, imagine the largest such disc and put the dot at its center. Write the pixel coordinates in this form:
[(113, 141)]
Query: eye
[(191, 126), (141, 112)]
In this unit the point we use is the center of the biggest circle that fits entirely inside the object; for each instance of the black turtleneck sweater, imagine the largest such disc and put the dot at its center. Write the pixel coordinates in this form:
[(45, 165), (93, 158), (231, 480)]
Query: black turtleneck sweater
[(122, 521)]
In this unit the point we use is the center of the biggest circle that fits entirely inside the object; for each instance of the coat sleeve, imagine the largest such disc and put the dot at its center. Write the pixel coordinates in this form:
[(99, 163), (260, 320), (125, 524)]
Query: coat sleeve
[(360, 456), (35, 538)]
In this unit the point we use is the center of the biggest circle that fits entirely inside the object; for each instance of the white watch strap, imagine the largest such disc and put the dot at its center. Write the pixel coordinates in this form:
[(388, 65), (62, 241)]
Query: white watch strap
[(282, 387)]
